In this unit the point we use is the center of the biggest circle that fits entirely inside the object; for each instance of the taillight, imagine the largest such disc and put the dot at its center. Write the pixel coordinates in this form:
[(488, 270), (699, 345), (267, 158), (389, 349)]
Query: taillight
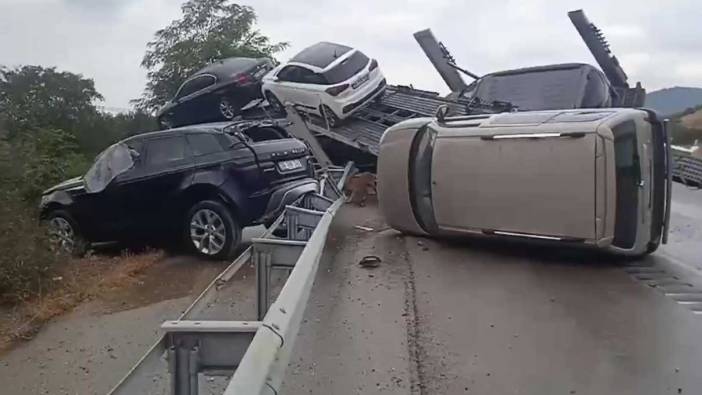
[(242, 78), (373, 65), (335, 90)]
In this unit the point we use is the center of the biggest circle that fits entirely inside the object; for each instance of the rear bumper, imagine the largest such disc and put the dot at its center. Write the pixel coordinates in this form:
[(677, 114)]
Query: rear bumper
[(285, 194), (353, 106)]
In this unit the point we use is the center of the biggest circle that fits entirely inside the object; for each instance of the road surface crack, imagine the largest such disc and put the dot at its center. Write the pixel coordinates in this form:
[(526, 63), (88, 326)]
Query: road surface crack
[(414, 346)]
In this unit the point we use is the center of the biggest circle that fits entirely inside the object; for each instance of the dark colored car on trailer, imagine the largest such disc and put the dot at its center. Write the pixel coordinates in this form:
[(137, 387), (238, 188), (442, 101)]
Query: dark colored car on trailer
[(200, 183), (216, 92)]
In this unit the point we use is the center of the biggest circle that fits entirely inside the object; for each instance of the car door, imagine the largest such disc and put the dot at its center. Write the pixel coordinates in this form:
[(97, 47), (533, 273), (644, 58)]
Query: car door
[(297, 85), (195, 101), (150, 190)]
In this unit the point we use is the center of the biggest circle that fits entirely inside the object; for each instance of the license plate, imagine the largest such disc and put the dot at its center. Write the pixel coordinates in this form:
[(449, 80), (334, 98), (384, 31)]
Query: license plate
[(360, 81), (288, 165)]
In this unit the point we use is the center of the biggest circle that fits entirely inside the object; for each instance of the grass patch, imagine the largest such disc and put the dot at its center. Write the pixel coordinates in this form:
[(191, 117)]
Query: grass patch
[(73, 282)]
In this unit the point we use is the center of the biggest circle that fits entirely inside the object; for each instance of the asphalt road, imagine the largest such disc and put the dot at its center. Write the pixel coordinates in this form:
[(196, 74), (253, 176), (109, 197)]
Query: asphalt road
[(479, 317), (436, 317)]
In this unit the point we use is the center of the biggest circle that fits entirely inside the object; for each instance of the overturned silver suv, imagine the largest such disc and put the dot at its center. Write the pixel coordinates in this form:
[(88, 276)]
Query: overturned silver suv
[(589, 177)]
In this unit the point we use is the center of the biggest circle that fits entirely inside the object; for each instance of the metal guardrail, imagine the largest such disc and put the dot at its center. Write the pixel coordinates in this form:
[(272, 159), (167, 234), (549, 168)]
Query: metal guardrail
[(256, 351), (687, 169)]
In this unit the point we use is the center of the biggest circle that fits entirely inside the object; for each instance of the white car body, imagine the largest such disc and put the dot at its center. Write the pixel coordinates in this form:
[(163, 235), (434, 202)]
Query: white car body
[(309, 79)]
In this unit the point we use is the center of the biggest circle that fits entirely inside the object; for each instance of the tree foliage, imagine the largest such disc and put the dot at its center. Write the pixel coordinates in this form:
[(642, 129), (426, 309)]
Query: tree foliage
[(208, 30), (50, 130), (36, 97)]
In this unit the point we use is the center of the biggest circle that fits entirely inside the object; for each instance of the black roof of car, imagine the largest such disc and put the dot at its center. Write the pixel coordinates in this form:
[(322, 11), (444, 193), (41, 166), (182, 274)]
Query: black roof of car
[(211, 127), (320, 54), (227, 67)]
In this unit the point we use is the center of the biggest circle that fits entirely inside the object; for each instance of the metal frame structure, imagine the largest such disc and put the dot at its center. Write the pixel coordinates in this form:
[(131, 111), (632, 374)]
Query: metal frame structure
[(686, 168), (263, 346)]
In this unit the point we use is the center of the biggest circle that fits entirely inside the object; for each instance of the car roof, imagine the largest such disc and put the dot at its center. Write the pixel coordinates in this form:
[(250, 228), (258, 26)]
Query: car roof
[(536, 69), (211, 127), (321, 54), (226, 67)]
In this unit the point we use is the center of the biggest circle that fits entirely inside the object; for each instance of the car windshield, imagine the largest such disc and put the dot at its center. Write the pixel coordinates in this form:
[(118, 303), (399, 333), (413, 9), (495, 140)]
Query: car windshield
[(346, 69), (114, 160), (535, 90)]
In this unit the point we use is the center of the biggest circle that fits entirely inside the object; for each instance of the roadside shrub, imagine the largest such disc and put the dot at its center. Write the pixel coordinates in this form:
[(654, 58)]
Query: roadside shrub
[(26, 261)]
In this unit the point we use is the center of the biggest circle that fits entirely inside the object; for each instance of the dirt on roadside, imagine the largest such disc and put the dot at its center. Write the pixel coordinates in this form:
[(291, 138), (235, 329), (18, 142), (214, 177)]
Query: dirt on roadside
[(117, 283)]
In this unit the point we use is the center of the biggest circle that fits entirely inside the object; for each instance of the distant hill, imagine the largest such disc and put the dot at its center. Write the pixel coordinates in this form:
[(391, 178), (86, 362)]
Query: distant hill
[(687, 126), (674, 100), (692, 120)]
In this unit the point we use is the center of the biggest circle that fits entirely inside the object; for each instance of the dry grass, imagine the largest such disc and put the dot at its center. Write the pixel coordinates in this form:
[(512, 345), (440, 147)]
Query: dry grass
[(78, 280), (692, 121)]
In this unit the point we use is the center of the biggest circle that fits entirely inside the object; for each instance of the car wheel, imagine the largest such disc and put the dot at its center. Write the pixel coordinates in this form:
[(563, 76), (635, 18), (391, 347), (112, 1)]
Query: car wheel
[(64, 235), (275, 104), (226, 108), (211, 231), (330, 117)]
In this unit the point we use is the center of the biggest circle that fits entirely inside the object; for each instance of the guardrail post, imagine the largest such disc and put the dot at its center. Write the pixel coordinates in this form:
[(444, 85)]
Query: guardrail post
[(263, 281)]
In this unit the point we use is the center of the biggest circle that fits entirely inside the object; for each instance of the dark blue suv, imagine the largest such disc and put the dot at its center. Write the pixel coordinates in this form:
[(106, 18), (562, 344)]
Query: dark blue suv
[(202, 183)]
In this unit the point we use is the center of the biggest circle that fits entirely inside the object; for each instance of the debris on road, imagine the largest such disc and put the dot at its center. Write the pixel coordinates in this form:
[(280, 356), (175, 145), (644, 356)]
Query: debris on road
[(366, 228), (370, 262)]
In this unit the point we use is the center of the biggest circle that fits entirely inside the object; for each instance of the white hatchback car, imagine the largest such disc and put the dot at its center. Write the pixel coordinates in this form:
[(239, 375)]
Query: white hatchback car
[(327, 79)]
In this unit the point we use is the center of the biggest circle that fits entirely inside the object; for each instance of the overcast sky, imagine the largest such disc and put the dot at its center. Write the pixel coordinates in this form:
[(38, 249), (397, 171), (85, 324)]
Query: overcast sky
[(657, 42)]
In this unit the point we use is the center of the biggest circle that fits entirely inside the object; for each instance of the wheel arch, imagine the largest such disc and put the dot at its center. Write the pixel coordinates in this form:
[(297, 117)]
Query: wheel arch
[(205, 191)]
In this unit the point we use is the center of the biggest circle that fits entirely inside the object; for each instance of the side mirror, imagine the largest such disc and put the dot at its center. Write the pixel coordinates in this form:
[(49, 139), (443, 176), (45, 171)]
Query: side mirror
[(136, 156)]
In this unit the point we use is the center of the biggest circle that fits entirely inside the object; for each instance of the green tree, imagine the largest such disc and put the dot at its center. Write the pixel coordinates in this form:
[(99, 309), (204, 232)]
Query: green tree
[(209, 30), (37, 97)]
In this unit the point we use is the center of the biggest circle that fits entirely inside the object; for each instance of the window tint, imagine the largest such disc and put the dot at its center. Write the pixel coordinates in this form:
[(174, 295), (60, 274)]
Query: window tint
[(300, 74), (310, 77), (165, 150), (628, 175), (195, 85), (289, 73), (204, 143), (347, 68)]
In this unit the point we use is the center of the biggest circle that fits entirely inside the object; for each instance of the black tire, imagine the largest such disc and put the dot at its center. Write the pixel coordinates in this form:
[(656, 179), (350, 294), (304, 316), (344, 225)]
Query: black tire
[(330, 116), (275, 104), (209, 242), (69, 239), (226, 108)]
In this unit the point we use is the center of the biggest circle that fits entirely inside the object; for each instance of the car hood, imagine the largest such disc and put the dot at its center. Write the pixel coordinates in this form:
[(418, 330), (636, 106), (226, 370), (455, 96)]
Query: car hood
[(68, 184)]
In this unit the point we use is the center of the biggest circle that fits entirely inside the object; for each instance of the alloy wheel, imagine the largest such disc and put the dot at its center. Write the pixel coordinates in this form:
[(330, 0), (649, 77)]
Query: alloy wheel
[(226, 108), (207, 232), (331, 119), (62, 235)]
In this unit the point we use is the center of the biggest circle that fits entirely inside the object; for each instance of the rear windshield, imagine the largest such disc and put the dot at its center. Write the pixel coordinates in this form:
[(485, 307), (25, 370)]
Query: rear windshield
[(347, 69)]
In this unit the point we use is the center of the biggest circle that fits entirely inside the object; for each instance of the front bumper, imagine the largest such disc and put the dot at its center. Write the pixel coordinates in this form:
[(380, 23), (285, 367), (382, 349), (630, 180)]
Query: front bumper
[(286, 194)]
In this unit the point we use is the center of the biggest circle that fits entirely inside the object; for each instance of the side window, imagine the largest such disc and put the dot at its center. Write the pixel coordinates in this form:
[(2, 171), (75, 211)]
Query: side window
[(165, 150), (194, 85), (310, 77), (289, 73), (300, 74), (628, 176), (203, 143)]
